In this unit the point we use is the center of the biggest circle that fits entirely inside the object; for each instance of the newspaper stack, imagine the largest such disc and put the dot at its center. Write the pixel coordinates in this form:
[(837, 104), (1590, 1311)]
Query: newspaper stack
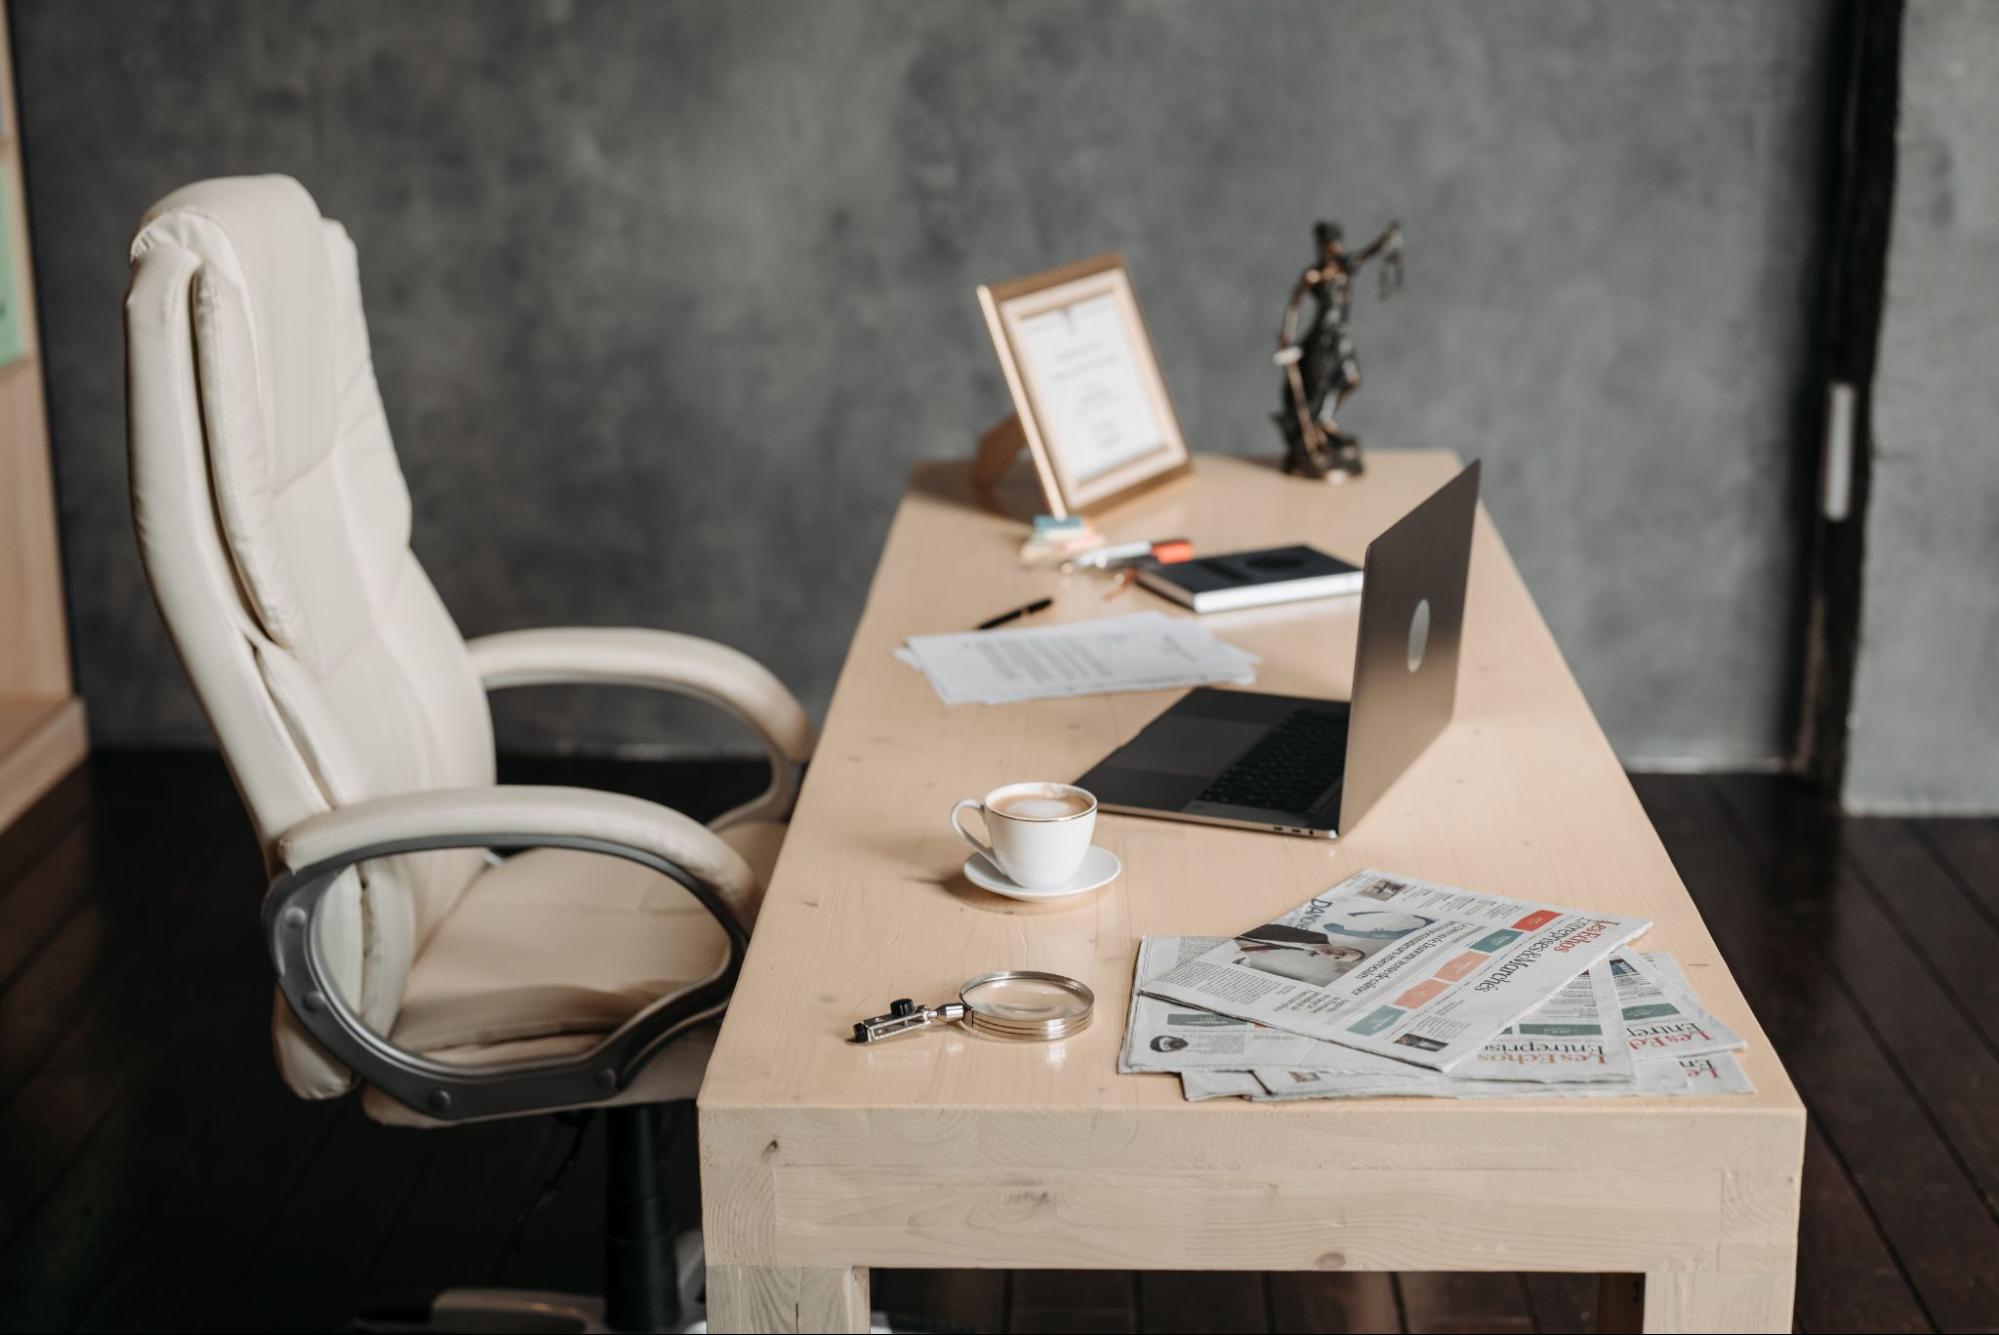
[(1146, 651), (1391, 986)]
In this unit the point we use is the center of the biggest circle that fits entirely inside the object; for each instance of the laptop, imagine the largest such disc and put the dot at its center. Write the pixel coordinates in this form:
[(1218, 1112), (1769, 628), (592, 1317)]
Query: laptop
[(1296, 765)]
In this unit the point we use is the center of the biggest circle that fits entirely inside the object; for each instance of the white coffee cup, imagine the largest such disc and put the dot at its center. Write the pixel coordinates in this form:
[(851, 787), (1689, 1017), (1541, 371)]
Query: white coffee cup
[(1040, 832)]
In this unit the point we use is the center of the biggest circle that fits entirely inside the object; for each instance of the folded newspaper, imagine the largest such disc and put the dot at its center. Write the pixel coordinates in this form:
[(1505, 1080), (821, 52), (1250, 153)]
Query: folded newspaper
[(1574, 1038), (1652, 1074), (1661, 1014), (1423, 974), (1657, 1077), (1574, 1047)]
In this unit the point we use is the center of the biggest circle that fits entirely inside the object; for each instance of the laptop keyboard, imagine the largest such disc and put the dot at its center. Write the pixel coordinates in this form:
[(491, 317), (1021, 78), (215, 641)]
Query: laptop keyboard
[(1291, 768)]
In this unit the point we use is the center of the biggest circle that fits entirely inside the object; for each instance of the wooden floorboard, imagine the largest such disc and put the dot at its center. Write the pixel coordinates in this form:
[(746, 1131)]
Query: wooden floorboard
[(1848, 1279), (1441, 1304), (38, 886), (361, 1177), (156, 1174), (1312, 1300), (1909, 1183), (1179, 1302), (216, 1207), (100, 891), (1562, 1304), (104, 1203), (1920, 1030), (53, 813), (99, 1003), (1916, 887), (1970, 849), (947, 1302), (562, 1247), (40, 899), (1952, 1054), (456, 1228), (1084, 1301)]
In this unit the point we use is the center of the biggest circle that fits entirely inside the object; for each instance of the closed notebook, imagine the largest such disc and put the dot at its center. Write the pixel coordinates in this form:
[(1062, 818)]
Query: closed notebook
[(1252, 579)]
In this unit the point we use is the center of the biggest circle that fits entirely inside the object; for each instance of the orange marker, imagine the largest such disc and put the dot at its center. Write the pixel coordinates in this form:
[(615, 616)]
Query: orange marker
[(1166, 551)]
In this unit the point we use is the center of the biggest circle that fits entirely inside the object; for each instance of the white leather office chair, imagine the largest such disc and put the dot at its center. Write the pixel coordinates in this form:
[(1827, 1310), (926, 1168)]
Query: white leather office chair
[(453, 985)]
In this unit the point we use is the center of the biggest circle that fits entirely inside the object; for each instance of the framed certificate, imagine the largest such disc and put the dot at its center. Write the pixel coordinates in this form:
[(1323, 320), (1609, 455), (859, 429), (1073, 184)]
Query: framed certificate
[(1089, 403)]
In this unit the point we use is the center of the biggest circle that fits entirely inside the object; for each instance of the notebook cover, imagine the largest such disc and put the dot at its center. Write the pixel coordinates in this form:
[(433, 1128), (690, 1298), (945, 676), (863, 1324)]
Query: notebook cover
[(1262, 570)]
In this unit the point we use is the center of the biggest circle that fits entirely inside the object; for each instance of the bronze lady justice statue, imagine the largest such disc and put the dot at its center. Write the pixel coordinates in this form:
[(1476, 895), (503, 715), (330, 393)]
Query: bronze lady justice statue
[(1321, 368)]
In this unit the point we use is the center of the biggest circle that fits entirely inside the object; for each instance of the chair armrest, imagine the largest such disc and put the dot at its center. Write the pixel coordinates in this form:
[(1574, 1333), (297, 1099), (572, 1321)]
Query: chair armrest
[(726, 678), (522, 816), (319, 850)]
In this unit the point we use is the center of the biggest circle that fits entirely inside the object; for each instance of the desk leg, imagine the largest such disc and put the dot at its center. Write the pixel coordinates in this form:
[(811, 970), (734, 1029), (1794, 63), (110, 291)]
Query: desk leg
[(1696, 1300), (762, 1298)]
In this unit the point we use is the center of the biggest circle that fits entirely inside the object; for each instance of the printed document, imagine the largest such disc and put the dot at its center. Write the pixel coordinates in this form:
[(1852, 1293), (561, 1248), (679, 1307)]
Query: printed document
[(1090, 399), (1146, 651)]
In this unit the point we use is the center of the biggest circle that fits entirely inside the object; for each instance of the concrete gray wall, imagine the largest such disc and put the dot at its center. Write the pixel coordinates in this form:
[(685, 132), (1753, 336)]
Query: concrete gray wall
[(665, 298), (1925, 713)]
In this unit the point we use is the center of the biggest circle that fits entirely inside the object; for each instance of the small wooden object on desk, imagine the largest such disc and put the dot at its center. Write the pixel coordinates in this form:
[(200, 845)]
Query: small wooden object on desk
[(1090, 406), (820, 1158), (41, 721)]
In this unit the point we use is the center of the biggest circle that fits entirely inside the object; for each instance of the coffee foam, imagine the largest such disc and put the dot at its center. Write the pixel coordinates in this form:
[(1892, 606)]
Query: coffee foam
[(1043, 806)]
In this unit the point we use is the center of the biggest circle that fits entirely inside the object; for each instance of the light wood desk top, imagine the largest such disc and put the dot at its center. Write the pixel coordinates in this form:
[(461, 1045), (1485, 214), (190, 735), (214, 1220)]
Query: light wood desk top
[(1521, 796), (816, 1151)]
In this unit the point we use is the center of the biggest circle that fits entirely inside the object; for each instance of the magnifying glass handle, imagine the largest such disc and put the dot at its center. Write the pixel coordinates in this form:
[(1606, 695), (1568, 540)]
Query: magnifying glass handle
[(905, 1016)]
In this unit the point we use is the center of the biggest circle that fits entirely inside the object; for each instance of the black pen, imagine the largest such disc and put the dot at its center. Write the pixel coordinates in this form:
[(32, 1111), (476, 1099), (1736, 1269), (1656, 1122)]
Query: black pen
[(1038, 605)]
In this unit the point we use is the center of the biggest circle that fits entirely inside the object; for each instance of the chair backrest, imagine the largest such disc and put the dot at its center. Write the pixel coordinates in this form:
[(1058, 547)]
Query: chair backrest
[(274, 525)]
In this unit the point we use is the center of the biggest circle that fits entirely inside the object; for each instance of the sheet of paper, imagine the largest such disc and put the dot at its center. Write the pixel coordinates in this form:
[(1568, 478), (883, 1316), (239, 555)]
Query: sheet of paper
[(1146, 651)]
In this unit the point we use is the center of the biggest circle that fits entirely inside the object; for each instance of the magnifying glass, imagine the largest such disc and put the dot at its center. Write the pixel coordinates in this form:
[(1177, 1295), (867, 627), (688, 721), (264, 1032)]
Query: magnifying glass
[(1010, 1004)]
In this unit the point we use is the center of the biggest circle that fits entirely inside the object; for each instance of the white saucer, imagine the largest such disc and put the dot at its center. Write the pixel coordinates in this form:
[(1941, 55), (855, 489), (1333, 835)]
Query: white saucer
[(1100, 867)]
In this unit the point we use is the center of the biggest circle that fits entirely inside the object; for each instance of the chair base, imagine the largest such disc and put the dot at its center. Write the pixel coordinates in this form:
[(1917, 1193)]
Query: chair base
[(656, 1279), (537, 1312), (649, 1271), (517, 1311), (527, 1311)]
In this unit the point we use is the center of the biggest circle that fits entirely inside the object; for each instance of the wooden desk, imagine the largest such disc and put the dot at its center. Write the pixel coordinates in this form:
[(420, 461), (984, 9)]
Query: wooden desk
[(820, 1159)]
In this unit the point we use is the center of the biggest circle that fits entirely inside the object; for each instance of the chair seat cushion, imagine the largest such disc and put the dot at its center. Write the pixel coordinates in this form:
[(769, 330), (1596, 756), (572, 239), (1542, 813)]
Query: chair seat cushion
[(545, 954), (554, 948), (554, 941)]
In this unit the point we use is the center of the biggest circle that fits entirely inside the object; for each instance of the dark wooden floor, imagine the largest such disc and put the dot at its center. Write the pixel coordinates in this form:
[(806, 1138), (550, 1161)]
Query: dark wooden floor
[(154, 1173)]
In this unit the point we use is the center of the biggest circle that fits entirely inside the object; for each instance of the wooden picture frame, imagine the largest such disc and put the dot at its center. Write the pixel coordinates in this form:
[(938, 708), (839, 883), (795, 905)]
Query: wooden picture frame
[(1090, 404)]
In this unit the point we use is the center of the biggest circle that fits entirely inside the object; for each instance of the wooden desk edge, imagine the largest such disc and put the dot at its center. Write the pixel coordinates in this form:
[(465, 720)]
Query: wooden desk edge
[(1705, 1205)]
